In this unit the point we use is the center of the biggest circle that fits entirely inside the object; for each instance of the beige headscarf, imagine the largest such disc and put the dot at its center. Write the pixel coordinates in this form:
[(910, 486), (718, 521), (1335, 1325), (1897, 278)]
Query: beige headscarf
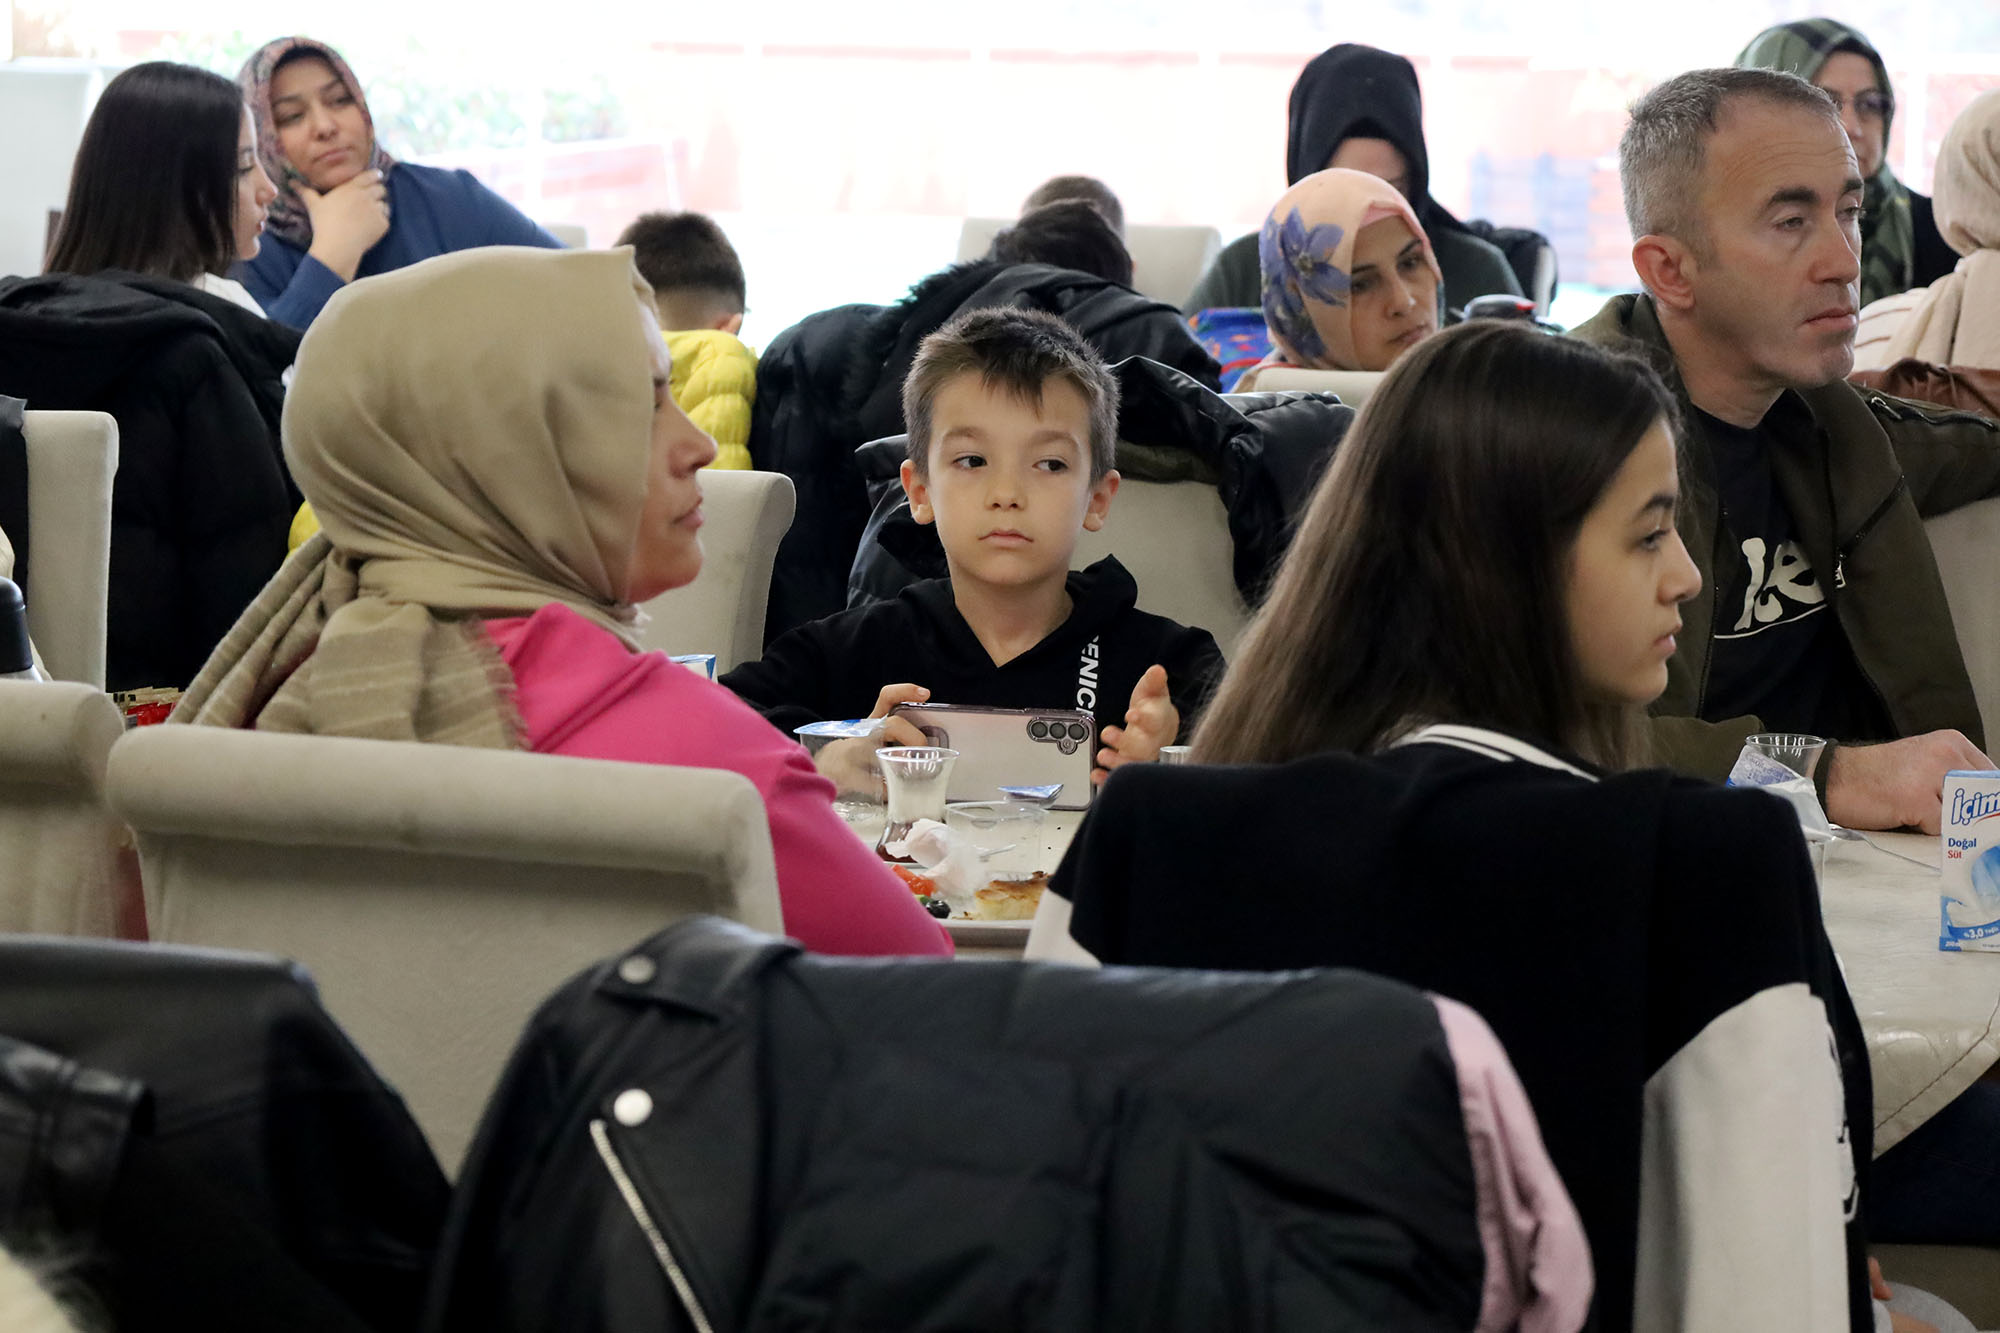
[(1306, 252), (473, 432), (1958, 321)]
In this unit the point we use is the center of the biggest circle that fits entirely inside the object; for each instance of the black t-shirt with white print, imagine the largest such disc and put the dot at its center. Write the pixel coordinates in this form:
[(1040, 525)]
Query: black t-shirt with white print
[(1778, 652)]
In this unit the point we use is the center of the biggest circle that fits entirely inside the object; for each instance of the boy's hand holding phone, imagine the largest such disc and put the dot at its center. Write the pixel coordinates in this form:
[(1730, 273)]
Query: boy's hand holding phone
[(1150, 722), (900, 730)]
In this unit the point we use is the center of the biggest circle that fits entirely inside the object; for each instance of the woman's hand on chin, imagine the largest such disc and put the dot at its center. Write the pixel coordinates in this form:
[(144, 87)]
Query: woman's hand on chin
[(347, 220)]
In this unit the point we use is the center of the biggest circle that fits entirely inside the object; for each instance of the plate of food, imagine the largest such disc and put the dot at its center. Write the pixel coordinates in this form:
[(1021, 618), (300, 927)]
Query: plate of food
[(1001, 912)]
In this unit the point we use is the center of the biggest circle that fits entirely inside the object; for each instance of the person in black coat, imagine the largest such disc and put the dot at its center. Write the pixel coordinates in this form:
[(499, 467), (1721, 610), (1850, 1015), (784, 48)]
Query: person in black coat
[(834, 381), (1360, 108), (201, 501), (135, 319), (1416, 765)]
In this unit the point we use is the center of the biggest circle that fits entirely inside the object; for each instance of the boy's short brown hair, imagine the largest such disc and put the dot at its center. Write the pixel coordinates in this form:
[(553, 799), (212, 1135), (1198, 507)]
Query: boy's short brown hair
[(1087, 188), (1069, 233), (686, 255), (1018, 351)]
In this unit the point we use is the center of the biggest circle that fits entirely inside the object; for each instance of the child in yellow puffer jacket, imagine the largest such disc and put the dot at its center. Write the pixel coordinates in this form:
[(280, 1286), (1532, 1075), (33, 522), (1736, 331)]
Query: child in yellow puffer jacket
[(698, 287), (715, 382)]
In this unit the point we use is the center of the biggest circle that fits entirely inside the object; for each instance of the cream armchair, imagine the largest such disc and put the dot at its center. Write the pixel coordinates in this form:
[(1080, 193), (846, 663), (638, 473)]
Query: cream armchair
[(72, 457), (722, 612), (66, 866), (436, 893)]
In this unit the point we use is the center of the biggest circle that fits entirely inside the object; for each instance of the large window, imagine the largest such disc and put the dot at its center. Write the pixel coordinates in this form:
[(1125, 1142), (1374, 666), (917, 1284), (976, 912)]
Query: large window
[(841, 145)]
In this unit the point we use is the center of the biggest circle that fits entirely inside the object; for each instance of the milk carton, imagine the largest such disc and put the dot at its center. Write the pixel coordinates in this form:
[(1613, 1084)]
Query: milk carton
[(1970, 908), (702, 664)]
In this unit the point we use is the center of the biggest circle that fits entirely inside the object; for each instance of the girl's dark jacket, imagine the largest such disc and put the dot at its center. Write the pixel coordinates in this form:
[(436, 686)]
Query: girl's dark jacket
[(202, 500)]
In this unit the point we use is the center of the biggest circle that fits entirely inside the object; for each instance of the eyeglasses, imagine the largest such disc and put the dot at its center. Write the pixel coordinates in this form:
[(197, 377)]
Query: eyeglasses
[(1872, 105)]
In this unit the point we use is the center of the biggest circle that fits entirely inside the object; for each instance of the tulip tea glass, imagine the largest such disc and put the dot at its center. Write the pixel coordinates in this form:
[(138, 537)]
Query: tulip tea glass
[(917, 777)]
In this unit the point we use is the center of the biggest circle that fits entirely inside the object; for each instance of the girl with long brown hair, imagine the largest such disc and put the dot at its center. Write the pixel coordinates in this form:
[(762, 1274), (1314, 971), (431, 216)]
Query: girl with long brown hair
[(1428, 579), (1423, 762)]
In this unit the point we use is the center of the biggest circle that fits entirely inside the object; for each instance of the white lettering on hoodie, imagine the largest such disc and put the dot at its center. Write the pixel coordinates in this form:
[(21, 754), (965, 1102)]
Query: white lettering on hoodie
[(1086, 678)]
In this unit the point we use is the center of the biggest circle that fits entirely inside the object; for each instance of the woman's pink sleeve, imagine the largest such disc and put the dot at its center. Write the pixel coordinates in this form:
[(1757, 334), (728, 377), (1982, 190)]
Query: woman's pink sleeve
[(838, 896)]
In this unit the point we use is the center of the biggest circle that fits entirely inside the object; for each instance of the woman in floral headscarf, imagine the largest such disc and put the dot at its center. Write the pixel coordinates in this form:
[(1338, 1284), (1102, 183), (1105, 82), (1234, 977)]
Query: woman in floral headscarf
[(1350, 282), (346, 209)]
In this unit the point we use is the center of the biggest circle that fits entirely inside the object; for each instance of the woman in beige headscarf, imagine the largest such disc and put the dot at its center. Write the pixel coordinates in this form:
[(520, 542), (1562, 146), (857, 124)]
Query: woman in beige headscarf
[(1954, 322), (501, 475), (1350, 282)]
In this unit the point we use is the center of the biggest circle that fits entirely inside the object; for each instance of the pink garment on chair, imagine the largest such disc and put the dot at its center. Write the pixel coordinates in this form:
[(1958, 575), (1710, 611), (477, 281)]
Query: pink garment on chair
[(580, 692), (1538, 1276)]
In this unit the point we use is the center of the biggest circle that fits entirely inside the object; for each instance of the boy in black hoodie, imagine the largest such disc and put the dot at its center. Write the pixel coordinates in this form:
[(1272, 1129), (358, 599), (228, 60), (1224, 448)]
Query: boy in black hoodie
[(1012, 419)]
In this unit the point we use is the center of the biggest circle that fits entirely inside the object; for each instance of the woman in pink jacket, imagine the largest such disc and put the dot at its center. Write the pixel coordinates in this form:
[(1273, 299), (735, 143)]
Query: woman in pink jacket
[(502, 476)]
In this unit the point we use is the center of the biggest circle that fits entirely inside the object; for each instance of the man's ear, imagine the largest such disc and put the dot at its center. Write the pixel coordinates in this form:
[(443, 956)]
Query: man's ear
[(1101, 492), (1667, 267), (919, 492), (731, 324)]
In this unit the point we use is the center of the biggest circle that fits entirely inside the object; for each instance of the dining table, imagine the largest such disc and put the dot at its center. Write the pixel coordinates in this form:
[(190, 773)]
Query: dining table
[(1931, 1017)]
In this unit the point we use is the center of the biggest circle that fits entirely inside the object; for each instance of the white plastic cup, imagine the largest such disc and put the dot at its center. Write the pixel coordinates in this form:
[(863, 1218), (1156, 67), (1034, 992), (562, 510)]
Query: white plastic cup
[(1008, 835), (1794, 750)]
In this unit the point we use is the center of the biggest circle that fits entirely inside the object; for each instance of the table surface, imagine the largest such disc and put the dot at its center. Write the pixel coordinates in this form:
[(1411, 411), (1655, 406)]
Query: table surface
[(1932, 1018)]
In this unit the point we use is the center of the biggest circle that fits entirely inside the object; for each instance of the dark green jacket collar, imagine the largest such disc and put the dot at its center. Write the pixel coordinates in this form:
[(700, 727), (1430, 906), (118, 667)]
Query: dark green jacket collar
[(1838, 460)]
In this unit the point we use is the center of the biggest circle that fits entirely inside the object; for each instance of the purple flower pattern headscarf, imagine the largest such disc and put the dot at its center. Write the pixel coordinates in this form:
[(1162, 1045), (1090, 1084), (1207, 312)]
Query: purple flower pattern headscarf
[(1306, 251), (288, 218)]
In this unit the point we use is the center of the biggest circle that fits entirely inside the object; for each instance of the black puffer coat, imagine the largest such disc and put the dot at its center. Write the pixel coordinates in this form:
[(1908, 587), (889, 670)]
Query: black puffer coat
[(202, 500), (721, 1131), (834, 381), (1263, 451)]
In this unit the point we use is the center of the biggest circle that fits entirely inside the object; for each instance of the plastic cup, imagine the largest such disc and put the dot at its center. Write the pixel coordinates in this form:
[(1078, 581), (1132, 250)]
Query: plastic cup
[(1795, 751), (1008, 835), (844, 753)]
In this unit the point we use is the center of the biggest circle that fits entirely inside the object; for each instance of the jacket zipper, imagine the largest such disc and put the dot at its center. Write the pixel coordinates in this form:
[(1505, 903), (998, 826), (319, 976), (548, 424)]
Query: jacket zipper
[(1895, 410), (1861, 533), (601, 1136), (1898, 410)]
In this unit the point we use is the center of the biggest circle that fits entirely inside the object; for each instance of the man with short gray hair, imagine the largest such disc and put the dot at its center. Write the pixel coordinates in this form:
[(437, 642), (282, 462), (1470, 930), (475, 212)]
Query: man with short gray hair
[(1821, 609)]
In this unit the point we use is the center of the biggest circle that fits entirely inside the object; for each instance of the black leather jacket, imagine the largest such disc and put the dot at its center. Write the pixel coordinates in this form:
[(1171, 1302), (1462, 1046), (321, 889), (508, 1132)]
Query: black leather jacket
[(63, 1130), (1263, 451), (720, 1131), (195, 1124)]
